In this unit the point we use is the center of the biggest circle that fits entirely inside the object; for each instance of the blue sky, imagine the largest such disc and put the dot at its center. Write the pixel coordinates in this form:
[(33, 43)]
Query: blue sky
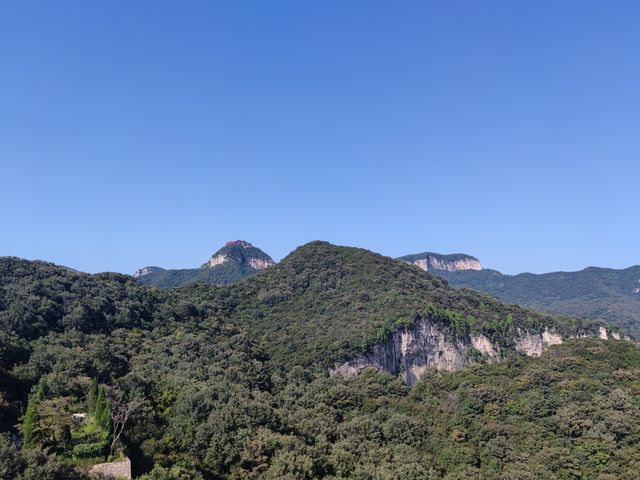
[(150, 132)]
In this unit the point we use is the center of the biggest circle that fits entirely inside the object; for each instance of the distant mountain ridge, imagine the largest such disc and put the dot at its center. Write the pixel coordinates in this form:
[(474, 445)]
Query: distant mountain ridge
[(147, 270), (437, 261), (236, 260), (595, 293)]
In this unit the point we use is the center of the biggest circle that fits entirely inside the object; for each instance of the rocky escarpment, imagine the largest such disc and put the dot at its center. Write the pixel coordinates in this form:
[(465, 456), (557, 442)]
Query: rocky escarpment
[(411, 351), (241, 253), (146, 271), (449, 263)]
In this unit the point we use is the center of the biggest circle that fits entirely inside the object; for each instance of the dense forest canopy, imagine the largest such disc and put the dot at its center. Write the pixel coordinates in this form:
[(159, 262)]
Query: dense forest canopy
[(231, 382), (179, 277)]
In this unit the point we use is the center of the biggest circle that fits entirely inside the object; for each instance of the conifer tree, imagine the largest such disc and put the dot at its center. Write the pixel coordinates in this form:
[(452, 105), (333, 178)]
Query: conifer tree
[(105, 418), (29, 422), (92, 396), (41, 390), (101, 401), (30, 418)]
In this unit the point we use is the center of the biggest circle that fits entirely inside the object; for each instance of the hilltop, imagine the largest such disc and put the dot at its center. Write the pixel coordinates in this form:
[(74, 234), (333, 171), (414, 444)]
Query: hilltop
[(236, 260)]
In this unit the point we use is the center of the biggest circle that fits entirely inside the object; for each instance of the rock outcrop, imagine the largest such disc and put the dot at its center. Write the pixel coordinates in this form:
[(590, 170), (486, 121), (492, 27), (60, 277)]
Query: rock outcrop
[(112, 470), (235, 261), (146, 271), (411, 351), (533, 344), (217, 260), (241, 253), (449, 263)]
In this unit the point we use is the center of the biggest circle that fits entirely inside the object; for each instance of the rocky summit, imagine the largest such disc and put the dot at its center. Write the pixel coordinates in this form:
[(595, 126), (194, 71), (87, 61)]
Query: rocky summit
[(236, 260)]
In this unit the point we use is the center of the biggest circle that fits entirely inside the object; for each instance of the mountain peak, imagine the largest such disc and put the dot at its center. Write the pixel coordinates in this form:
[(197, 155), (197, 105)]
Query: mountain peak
[(238, 243), (242, 253), (437, 261), (236, 260)]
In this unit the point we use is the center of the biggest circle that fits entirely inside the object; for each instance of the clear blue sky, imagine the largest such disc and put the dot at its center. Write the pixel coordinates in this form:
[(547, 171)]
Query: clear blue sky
[(149, 132)]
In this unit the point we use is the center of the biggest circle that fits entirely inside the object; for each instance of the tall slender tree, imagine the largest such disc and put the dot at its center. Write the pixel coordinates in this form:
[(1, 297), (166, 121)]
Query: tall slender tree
[(105, 418), (92, 396), (30, 418), (101, 402), (29, 423)]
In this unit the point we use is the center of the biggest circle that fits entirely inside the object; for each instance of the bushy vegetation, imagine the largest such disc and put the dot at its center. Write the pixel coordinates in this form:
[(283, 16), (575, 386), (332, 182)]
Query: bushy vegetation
[(602, 294), (232, 382), (32, 464), (219, 275)]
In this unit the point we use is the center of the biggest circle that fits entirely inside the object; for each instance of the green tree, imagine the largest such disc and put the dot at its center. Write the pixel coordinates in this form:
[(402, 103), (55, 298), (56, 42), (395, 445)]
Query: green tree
[(30, 419), (92, 396), (10, 461), (28, 423), (41, 390), (101, 403), (105, 418)]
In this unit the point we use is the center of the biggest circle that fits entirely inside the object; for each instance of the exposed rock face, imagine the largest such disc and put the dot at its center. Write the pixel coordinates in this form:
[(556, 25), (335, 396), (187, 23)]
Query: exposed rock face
[(604, 335), (436, 261), (259, 263), (235, 261), (449, 266), (241, 253), (534, 344), (146, 270), (217, 260), (411, 351)]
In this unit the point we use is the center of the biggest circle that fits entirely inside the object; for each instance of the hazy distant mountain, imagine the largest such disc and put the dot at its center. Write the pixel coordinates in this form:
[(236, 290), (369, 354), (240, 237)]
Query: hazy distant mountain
[(236, 260), (593, 293)]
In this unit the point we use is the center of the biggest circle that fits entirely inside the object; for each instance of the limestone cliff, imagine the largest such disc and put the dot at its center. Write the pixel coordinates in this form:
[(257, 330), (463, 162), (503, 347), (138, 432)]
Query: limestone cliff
[(450, 263), (146, 271), (411, 351), (241, 253)]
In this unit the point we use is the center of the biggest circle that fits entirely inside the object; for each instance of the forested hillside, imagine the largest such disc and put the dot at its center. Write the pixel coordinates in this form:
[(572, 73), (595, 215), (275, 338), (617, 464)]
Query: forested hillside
[(179, 277), (594, 293), (324, 302), (231, 382)]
